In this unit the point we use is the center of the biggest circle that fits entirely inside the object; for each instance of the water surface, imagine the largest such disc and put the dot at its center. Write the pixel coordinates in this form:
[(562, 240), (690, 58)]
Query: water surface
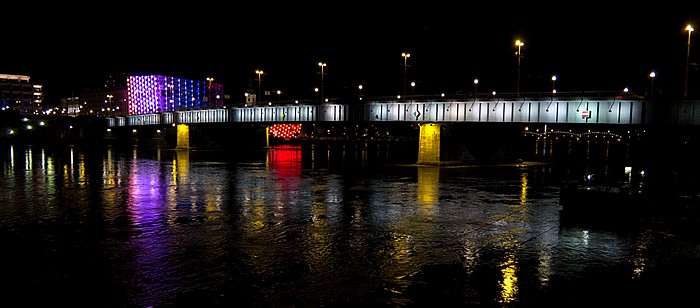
[(331, 226)]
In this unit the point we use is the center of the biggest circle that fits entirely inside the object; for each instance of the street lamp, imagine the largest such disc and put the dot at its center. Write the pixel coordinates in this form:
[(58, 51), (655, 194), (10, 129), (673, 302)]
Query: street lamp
[(259, 72), (476, 82), (413, 86), (690, 29), (554, 80), (405, 69), (519, 44), (279, 95), (209, 90), (316, 91), (360, 89), (651, 91), (109, 101), (322, 65)]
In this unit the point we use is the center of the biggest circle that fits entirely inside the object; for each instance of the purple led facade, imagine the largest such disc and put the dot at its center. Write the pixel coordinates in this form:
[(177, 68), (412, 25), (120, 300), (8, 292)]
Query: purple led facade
[(155, 93)]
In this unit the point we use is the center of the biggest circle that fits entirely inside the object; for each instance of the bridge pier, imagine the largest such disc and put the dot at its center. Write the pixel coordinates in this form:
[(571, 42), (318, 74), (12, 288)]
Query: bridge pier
[(183, 136), (429, 144)]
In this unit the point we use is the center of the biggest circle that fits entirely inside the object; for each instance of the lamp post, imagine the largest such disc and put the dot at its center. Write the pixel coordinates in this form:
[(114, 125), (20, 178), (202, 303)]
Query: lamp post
[(279, 95), (209, 79), (405, 70), (554, 81), (476, 82), (651, 91), (360, 89), (413, 86), (259, 72), (519, 44), (109, 102), (690, 29), (322, 65), (316, 91)]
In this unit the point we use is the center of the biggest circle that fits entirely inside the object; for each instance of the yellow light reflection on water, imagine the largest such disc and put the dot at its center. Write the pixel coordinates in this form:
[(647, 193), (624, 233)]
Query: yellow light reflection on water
[(523, 189), (509, 270), (428, 188)]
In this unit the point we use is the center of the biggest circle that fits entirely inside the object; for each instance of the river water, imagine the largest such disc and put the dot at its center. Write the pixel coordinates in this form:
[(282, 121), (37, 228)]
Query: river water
[(315, 226)]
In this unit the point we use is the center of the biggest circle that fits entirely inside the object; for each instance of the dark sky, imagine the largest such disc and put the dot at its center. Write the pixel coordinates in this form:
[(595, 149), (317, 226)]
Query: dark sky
[(589, 49)]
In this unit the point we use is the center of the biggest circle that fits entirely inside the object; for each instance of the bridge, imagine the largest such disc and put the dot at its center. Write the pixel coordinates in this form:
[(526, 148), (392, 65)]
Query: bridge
[(599, 108), (593, 108)]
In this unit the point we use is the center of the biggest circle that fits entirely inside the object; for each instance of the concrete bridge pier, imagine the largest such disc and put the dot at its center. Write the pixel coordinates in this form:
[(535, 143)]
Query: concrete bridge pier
[(183, 136), (429, 144)]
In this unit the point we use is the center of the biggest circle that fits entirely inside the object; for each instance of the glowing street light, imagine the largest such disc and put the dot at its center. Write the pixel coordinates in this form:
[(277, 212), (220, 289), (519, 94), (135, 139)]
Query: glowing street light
[(476, 82), (316, 91), (279, 95), (652, 75), (360, 89), (109, 101), (519, 44), (259, 72), (322, 65), (405, 69), (554, 81), (690, 29), (209, 79)]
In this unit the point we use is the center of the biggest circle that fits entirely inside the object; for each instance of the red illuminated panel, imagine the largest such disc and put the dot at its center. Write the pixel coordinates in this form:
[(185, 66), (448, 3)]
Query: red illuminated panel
[(285, 131)]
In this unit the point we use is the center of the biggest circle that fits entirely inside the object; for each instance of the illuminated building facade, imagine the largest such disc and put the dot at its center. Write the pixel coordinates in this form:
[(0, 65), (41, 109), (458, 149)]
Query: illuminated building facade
[(16, 92), (156, 93)]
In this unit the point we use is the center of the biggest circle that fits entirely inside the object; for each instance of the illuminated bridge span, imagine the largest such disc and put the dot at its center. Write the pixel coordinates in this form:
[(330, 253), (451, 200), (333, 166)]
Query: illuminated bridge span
[(431, 114), (611, 109)]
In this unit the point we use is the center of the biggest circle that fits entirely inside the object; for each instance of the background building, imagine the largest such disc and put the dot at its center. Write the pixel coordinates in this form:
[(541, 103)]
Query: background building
[(107, 99), (18, 93), (156, 93)]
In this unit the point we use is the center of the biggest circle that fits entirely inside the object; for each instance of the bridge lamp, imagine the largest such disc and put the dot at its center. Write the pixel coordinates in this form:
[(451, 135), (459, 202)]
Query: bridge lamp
[(652, 75), (109, 99), (259, 72), (316, 91), (405, 69), (494, 95), (554, 81), (690, 29), (322, 65), (209, 90), (476, 82), (519, 44)]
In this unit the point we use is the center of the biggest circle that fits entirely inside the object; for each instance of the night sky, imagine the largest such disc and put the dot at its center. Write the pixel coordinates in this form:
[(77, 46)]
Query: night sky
[(589, 49)]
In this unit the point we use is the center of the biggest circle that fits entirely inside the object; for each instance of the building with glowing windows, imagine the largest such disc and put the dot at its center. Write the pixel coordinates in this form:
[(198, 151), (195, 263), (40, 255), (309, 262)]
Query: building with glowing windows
[(18, 93), (156, 93)]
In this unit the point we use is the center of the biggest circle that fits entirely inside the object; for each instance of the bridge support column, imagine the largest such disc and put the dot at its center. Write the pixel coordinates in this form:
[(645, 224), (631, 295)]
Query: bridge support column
[(183, 136), (429, 144)]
